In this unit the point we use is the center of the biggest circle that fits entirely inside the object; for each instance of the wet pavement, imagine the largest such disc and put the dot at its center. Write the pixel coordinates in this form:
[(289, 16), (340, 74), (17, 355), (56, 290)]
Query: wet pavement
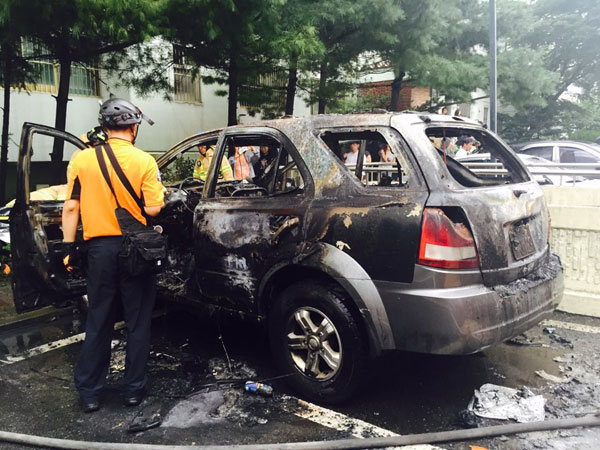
[(197, 366)]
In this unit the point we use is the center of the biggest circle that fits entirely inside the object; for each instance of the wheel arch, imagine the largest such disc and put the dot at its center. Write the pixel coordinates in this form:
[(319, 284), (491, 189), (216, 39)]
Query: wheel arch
[(333, 265)]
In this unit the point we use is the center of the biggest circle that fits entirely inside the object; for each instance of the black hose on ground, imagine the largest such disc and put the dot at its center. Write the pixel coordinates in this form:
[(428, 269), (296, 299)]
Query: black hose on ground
[(341, 444)]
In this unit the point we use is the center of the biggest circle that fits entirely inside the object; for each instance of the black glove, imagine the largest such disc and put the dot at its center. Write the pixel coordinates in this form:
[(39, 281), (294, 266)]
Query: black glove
[(72, 257)]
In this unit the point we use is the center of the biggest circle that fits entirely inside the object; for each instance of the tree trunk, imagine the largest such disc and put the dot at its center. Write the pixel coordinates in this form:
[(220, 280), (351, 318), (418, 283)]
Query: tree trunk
[(233, 88), (322, 86), (6, 60), (62, 100), (291, 87), (396, 86)]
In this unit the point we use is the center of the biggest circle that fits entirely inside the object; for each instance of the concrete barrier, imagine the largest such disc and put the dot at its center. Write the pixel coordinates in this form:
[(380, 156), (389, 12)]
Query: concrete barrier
[(575, 236)]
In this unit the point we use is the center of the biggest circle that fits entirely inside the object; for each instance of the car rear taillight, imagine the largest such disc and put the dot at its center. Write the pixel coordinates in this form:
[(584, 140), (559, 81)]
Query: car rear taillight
[(446, 244)]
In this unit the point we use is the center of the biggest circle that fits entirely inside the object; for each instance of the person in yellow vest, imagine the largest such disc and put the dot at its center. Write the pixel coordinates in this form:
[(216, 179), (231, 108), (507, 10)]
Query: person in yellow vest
[(203, 163)]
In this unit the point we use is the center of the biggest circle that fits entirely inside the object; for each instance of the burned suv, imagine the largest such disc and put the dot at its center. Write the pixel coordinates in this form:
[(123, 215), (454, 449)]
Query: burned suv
[(347, 235)]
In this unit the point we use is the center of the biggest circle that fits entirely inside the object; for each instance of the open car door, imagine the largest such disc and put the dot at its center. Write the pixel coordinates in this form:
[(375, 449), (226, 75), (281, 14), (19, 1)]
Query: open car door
[(39, 277)]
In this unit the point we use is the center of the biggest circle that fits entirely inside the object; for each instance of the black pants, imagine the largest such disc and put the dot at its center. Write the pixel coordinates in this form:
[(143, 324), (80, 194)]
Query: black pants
[(105, 286)]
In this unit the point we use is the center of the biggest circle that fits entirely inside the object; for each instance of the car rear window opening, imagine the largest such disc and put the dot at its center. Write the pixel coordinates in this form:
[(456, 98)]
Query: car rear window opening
[(475, 158)]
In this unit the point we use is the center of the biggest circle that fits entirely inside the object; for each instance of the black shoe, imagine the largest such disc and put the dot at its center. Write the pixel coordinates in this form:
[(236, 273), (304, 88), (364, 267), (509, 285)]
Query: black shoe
[(90, 406), (133, 399)]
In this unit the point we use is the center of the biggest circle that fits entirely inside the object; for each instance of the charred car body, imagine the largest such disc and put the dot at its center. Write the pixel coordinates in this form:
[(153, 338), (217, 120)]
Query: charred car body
[(414, 252)]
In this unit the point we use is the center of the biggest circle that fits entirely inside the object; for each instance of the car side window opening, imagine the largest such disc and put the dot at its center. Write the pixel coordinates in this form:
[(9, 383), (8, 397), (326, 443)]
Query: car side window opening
[(576, 155), (475, 158), (191, 163), (261, 166), (542, 152), (369, 156)]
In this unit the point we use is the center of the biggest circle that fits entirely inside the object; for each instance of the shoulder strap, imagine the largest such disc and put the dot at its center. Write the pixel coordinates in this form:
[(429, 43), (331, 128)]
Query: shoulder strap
[(122, 176), (104, 171)]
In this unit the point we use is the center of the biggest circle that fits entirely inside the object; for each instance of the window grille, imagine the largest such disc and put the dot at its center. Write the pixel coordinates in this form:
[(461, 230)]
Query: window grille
[(266, 91), (187, 85), (45, 74)]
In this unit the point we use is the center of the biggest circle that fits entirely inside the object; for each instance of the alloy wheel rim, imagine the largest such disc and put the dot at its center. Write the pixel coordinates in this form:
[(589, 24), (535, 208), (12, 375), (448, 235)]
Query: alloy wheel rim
[(314, 343)]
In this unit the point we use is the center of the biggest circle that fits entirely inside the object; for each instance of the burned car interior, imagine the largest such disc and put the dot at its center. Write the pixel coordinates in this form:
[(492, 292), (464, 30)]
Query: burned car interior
[(488, 165), (261, 167)]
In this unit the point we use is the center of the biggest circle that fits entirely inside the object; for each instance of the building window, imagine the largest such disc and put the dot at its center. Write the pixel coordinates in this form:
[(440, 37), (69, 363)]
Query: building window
[(45, 74), (186, 86), (84, 81), (266, 91)]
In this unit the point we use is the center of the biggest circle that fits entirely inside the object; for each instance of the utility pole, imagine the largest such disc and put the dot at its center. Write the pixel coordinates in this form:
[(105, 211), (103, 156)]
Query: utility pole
[(493, 67)]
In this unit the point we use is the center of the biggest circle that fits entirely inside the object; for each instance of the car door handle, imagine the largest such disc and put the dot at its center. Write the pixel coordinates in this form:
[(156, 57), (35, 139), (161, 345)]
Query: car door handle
[(519, 192), (289, 223)]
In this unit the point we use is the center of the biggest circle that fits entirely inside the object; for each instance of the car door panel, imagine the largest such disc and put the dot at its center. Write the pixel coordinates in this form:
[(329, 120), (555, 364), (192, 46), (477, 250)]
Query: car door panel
[(39, 277), (238, 239)]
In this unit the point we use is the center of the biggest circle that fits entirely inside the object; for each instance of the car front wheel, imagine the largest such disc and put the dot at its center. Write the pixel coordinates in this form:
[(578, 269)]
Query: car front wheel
[(316, 339)]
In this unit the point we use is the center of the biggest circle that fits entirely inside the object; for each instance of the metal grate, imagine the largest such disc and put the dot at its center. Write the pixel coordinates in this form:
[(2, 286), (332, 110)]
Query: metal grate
[(84, 81), (187, 88), (266, 91), (45, 72), (44, 77)]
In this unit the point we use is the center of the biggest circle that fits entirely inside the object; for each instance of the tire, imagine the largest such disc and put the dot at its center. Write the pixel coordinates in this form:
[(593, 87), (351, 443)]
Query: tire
[(314, 336)]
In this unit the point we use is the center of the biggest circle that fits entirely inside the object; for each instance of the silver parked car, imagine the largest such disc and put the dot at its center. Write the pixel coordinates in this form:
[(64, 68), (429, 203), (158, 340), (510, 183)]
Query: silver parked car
[(561, 151)]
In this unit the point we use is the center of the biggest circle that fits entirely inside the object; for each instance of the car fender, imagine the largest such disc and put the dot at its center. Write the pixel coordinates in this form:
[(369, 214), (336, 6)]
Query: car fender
[(355, 281)]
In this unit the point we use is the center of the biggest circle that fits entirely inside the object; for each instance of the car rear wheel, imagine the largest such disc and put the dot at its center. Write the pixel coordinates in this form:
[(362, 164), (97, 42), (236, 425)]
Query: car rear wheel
[(315, 338)]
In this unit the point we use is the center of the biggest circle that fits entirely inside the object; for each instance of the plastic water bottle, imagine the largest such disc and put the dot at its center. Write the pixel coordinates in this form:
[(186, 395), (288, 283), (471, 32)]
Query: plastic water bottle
[(258, 388)]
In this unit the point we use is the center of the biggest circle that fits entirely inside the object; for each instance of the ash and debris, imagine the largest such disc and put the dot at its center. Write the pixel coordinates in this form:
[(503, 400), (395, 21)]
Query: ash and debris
[(548, 339), (545, 272), (220, 397)]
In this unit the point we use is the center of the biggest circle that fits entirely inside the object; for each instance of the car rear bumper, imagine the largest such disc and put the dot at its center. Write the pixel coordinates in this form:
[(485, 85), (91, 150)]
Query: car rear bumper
[(467, 319)]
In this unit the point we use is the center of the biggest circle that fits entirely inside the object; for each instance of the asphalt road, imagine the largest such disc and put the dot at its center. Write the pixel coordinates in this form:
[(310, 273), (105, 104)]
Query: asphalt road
[(403, 394)]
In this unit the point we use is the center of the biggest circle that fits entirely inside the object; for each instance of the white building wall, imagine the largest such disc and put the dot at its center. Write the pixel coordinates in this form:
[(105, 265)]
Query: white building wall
[(37, 107), (174, 120)]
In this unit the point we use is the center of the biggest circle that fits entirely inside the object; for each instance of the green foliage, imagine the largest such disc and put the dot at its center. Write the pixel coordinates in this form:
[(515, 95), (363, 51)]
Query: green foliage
[(178, 170), (347, 29), (523, 80), (234, 38), (559, 51), (435, 47), (84, 29), (585, 135), (353, 104)]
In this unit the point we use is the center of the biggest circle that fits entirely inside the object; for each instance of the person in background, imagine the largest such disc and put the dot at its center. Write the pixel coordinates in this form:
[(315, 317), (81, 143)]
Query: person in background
[(242, 162), (465, 144), (385, 153), (265, 158), (447, 145), (457, 113), (444, 111), (202, 164), (351, 157)]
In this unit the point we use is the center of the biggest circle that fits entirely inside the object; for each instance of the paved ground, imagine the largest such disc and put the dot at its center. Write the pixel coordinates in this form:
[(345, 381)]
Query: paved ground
[(404, 393)]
